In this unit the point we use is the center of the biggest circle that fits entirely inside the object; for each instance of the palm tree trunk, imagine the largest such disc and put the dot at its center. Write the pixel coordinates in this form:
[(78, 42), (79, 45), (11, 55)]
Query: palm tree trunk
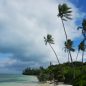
[(76, 59), (57, 60), (72, 65), (68, 57), (82, 56), (54, 53), (77, 55), (64, 29), (82, 60), (69, 50)]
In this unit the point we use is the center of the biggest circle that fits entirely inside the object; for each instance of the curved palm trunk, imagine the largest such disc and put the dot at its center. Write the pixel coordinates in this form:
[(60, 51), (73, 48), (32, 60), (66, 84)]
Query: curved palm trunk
[(64, 29), (54, 53), (57, 60)]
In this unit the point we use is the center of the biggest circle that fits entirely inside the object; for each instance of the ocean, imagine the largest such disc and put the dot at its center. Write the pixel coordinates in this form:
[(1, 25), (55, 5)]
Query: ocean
[(18, 80)]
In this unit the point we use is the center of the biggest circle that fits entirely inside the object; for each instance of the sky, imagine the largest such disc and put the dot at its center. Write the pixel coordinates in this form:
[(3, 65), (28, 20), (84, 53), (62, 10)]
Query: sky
[(24, 23)]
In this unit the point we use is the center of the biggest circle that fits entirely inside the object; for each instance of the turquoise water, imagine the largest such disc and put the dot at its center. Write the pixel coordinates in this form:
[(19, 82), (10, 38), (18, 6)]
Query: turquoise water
[(17, 80)]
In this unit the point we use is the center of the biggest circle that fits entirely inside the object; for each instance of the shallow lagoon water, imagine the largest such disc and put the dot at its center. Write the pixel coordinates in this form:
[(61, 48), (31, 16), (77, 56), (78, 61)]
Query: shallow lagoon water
[(18, 80)]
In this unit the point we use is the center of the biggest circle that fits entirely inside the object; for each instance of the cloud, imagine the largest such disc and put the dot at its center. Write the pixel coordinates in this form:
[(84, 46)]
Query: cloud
[(24, 23)]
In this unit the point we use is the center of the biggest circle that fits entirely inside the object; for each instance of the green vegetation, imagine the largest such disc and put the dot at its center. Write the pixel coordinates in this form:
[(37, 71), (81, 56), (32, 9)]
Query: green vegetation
[(54, 72), (29, 71)]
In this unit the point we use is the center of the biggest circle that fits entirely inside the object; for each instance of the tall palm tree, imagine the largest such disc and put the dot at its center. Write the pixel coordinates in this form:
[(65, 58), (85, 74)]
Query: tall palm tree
[(82, 44), (49, 40), (82, 47), (64, 14)]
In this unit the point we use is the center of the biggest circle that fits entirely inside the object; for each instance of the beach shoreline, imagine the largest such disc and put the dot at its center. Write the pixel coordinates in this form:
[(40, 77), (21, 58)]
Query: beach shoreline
[(48, 84), (23, 80), (33, 84)]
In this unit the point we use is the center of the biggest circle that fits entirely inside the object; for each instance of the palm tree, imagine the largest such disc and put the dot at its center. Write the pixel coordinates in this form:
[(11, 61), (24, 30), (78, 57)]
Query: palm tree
[(83, 27), (69, 48), (49, 40), (66, 50), (82, 44), (64, 14), (82, 48)]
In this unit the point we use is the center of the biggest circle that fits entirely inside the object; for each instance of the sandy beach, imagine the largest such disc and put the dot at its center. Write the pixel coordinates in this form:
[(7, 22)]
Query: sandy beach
[(31, 84), (44, 84), (47, 84)]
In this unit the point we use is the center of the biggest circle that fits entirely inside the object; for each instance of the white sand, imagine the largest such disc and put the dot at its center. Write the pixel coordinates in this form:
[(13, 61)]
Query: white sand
[(47, 84)]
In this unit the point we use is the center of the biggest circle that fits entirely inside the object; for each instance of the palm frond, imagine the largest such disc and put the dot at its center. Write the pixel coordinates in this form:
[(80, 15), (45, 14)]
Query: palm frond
[(72, 49), (67, 17), (69, 45), (64, 19), (79, 28), (64, 11), (45, 40), (81, 46), (48, 39)]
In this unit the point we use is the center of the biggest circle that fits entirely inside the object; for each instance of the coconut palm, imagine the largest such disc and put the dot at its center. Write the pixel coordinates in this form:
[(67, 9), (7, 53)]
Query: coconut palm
[(64, 14), (69, 48), (83, 27), (82, 44), (49, 40), (82, 48), (66, 50)]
